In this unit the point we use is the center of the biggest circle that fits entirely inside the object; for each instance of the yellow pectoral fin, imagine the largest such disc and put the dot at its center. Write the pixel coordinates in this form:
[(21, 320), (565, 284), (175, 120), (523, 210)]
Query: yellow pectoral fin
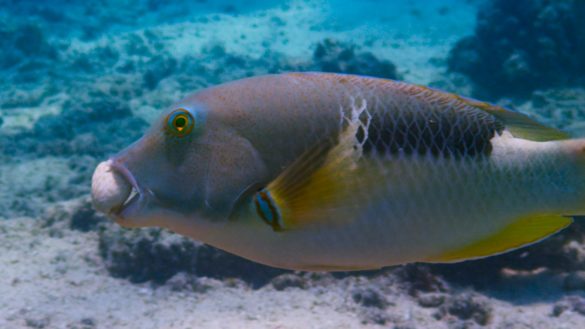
[(323, 184), (523, 231)]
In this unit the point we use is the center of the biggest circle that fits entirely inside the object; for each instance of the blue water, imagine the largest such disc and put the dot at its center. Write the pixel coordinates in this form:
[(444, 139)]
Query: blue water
[(81, 80)]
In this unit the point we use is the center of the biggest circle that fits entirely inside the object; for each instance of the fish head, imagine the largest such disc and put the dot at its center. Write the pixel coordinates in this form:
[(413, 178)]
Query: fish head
[(190, 165)]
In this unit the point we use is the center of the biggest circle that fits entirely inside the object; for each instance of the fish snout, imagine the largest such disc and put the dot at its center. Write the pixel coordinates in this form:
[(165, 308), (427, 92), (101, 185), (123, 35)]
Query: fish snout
[(113, 189)]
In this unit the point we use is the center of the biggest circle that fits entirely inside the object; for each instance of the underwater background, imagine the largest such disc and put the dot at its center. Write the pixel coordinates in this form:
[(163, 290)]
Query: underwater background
[(80, 80)]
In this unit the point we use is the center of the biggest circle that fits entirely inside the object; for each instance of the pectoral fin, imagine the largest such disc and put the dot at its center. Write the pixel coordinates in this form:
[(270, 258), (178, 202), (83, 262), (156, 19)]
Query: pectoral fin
[(523, 231), (321, 185)]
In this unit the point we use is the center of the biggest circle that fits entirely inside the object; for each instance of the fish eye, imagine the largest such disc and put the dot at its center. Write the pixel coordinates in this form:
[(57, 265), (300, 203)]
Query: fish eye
[(180, 123)]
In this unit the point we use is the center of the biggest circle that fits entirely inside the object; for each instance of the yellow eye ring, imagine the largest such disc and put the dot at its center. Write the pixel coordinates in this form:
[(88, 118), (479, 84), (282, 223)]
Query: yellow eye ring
[(180, 123)]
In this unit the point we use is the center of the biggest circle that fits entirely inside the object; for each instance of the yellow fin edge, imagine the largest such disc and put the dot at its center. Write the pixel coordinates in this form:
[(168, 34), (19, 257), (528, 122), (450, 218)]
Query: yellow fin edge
[(321, 185), (520, 125), (523, 231)]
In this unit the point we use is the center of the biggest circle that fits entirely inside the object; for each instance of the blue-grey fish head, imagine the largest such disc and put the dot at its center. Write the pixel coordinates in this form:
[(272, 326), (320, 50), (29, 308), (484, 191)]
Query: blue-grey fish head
[(190, 165)]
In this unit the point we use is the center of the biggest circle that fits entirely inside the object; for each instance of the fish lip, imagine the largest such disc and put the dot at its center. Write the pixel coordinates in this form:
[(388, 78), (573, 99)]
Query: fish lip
[(135, 199)]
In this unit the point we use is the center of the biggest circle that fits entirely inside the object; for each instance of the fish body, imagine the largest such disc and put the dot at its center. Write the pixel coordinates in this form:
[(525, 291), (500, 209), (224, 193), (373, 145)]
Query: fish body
[(314, 171)]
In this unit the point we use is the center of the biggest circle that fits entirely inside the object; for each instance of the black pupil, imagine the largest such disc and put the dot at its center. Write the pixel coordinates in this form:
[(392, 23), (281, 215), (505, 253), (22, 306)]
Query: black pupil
[(180, 122)]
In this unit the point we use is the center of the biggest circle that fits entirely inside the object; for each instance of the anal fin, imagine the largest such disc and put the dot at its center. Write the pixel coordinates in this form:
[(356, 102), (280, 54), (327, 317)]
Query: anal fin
[(524, 231)]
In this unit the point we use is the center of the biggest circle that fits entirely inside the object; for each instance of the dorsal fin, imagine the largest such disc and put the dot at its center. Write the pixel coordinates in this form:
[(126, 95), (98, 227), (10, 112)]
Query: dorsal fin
[(520, 125)]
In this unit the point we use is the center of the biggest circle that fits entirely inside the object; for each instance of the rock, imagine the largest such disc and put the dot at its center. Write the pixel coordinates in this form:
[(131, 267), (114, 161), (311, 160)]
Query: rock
[(87, 323), (156, 255), (574, 250), (99, 127), (23, 44), (38, 323), (569, 303), (575, 281), (375, 316), (27, 57), (520, 46), (288, 280), (369, 297), (517, 323), (577, 303), (337, 57), (218, 264), (182, 281), (159, 68), (95, 60), (76, 117), (146, 254), (31, 40), (559, 308), (561, 106), (404, 326), (77, 214), (419, 278), (467, 306), (85, 218), (463, 324), (430, 299), (189, 282)]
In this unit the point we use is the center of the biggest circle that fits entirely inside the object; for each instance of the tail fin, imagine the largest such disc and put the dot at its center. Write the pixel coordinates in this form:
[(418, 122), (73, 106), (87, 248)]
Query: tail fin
[(575, 148)]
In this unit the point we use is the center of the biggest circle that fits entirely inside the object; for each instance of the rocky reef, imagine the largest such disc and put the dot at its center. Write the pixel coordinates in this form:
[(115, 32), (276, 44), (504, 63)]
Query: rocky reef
[(338, 57), (521, 46)]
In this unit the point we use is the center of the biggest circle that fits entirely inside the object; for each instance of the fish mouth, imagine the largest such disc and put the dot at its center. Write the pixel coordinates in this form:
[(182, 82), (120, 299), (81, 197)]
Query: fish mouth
[(133, 201), (116, 192)]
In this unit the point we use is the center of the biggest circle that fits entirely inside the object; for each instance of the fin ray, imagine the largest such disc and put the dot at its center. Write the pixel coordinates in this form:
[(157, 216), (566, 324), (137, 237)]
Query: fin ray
[(524, 231), (322, 184), (519, 124)]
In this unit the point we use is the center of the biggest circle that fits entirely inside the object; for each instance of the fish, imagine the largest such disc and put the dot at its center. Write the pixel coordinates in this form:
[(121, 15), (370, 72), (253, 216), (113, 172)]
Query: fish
[(332, 172)]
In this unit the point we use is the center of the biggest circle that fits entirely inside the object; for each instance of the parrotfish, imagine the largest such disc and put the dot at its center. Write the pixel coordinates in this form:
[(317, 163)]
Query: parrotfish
[(331, 172)]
